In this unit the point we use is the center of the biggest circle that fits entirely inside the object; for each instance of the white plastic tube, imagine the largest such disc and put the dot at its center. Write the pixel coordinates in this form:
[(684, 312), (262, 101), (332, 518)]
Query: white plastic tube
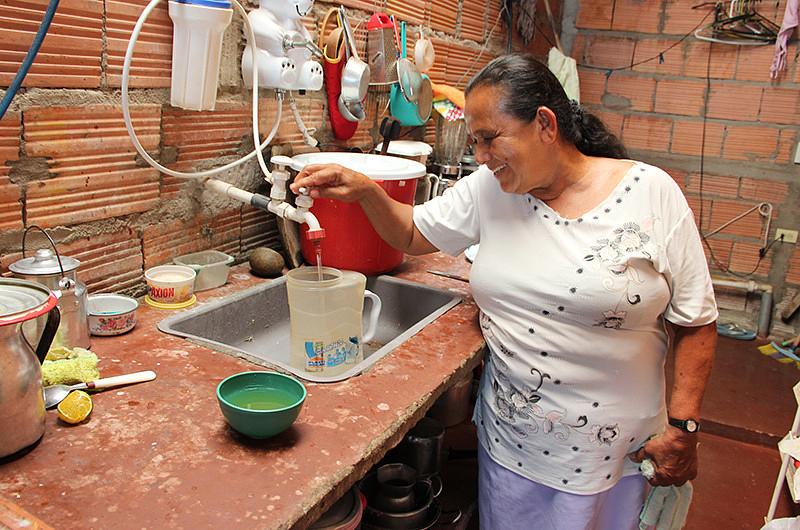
[(126, 113), (230, 190), (310, 140)]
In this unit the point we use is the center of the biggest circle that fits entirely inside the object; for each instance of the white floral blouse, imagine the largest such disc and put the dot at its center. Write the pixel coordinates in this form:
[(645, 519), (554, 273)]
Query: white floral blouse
[(573, 312)]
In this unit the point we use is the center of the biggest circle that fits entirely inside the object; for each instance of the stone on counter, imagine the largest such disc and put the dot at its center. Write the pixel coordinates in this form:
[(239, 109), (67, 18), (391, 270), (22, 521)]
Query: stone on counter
[(266, 262)]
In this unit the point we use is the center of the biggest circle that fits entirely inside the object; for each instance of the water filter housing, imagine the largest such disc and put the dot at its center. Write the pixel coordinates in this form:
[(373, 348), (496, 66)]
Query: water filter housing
[(197, 50)]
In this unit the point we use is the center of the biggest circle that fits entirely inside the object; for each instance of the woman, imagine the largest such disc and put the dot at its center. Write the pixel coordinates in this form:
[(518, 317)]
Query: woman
[(586, 262)]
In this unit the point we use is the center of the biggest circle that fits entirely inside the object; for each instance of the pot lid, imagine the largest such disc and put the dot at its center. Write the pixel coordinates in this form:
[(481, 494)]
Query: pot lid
[(22, 300), (43, 262), (407, 148), (375, 167)]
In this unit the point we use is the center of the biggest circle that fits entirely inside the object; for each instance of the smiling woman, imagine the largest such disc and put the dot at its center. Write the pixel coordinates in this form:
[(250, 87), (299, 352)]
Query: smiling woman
[(585, 260)]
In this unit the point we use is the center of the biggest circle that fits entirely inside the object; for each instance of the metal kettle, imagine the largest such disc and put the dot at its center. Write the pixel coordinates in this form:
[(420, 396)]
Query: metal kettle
[(59, 274), (21, 391)]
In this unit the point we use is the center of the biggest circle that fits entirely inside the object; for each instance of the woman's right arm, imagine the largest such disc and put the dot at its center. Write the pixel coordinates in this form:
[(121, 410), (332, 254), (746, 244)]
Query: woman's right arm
[(392, 220)]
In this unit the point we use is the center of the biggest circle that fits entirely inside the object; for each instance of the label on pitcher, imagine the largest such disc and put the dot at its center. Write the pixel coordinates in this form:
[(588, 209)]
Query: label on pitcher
[(315, 359), (321, 355)]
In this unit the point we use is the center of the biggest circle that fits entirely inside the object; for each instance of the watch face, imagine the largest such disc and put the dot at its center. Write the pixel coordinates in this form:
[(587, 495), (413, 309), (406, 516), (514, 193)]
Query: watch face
[(691, 425)]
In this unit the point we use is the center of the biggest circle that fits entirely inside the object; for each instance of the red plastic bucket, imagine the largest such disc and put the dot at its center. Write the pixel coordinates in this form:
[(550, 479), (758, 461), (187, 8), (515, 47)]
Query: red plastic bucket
[(350, 242)]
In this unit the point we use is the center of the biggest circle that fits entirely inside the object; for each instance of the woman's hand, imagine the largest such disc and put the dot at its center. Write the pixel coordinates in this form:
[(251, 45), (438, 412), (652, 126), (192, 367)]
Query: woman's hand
[(332, 181), (674, 455)]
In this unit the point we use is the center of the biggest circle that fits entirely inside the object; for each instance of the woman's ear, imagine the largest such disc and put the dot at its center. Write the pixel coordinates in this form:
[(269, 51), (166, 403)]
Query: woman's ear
[(548, 125)]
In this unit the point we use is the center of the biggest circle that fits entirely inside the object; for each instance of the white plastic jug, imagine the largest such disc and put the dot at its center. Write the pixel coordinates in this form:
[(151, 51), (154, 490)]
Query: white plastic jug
[(326, 316)]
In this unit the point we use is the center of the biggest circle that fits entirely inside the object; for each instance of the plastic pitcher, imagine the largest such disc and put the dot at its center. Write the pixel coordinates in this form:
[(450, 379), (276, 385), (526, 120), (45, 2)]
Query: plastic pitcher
[(326, 319)]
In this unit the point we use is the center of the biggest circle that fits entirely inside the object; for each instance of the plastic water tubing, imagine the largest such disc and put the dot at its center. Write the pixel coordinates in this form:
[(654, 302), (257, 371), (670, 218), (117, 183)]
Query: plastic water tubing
[(31, 55), (126, 112)]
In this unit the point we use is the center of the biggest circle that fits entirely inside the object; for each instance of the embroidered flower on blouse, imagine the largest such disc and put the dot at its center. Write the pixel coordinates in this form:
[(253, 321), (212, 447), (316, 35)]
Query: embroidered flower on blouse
[(605, 251), (606, 434), (486, 325), (630, 238), (612, 319)]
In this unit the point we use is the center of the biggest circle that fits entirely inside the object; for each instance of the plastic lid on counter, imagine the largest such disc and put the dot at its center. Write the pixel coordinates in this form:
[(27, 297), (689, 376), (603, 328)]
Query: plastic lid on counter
[(161, 305), (375, 167)]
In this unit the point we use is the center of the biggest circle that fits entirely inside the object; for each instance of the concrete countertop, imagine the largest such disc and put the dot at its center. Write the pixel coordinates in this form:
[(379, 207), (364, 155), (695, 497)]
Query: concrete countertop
[(160, 455)]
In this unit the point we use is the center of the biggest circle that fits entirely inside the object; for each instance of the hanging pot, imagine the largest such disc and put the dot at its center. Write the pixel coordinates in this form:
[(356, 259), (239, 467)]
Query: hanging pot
[(411, 98), (21, 391), (355, 76)]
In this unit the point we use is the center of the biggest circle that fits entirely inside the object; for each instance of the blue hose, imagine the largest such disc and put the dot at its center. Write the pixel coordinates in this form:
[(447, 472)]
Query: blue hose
[(28, 61)]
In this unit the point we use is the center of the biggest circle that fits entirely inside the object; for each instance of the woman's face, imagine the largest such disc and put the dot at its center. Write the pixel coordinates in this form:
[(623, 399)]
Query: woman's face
[(513, 149)]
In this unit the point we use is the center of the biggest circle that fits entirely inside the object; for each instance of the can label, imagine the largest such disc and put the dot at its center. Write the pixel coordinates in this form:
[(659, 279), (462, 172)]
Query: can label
[(162, 293)]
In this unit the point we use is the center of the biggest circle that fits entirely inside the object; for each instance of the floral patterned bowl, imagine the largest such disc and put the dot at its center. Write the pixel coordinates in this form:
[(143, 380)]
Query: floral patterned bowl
[(111, 314)]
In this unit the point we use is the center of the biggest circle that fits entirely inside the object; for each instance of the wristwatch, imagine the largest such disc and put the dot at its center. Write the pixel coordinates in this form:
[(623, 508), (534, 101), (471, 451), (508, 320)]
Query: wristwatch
[(690, 426)]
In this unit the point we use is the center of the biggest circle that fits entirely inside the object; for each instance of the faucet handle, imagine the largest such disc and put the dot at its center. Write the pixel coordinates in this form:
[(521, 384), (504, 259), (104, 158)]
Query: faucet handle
[(304, 201), (281, 161)]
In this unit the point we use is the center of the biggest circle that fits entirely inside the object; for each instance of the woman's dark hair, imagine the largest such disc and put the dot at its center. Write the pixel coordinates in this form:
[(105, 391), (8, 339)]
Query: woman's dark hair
[(527, 84)]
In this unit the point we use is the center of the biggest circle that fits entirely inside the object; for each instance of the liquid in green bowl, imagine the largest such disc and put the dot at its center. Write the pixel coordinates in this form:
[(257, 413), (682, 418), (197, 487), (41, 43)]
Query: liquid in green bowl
[(261, 399), (260, 404)]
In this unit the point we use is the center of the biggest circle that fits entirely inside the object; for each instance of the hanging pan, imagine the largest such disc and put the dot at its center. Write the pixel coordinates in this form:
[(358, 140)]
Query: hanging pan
[(411, 97), (355, 76)]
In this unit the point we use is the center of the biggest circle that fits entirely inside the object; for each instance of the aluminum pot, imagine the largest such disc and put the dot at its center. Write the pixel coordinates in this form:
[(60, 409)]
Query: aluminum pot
[(355, 76), (59, 274), (424, 512), (422, 447), (21, 391)]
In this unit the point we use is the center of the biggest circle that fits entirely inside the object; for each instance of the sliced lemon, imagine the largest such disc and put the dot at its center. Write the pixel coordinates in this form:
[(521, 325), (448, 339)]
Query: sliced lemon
[(76, 407)]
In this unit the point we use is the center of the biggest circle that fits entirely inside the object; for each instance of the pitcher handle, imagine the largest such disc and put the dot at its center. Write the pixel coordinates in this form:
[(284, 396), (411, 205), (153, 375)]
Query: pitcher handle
[(434, 180), (374, 313)]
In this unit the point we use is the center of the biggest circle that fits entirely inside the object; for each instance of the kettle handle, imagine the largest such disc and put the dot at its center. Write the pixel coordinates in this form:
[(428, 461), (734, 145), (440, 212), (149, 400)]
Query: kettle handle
[(374, 313), (48, 334), (50, 239)]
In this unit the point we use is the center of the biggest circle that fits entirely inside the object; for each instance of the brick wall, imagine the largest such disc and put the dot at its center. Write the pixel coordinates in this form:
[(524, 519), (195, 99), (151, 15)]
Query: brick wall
[(67, 164), (657, 107)]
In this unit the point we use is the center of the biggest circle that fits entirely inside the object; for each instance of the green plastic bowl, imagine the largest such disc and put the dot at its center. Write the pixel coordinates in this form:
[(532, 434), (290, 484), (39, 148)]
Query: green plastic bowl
[(260, 404)]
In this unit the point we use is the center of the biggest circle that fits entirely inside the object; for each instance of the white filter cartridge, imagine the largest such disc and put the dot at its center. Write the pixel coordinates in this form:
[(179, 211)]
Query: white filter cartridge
[(197, 50)]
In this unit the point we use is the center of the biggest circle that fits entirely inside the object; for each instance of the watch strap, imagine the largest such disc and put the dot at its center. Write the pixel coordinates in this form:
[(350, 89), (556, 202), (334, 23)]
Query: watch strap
[(688, 425)]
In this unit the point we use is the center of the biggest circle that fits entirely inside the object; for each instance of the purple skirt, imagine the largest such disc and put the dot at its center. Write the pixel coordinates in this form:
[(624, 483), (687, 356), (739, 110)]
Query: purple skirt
[(508, 501)]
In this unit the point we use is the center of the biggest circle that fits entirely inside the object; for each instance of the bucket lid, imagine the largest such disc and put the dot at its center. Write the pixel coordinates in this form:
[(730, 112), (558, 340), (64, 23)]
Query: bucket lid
[(375, 167), (43, 262), (407, 148), (22, 300)]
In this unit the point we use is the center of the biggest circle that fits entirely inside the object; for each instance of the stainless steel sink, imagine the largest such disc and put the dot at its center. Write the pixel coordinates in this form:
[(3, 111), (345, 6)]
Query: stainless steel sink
[(254, 324)]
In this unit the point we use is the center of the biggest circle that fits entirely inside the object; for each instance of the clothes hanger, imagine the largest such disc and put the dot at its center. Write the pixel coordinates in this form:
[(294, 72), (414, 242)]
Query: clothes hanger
[(738, 24)]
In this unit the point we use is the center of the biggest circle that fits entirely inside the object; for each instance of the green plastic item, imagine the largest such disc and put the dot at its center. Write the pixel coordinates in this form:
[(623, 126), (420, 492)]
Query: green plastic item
[(409, 113), (78, 366), (260, 404)]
